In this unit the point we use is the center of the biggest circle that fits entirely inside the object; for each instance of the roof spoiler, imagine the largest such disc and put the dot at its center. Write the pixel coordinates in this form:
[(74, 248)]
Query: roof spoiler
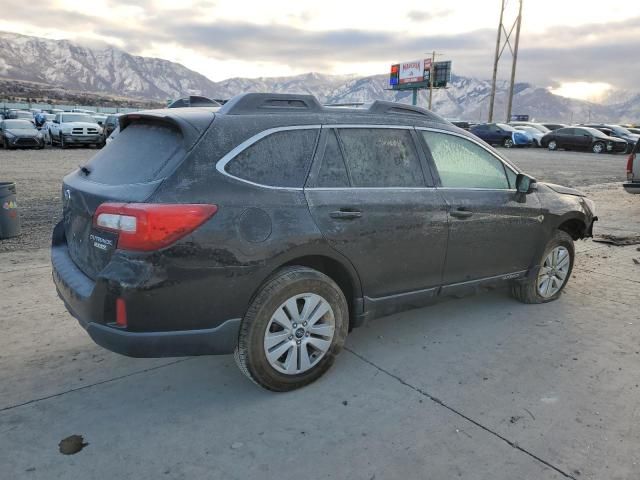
[(191, 130)]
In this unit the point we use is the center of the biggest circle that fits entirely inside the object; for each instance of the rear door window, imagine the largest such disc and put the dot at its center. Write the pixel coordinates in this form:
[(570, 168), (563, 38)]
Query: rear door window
[(381, 157), (141, 153), (464, 164), (280, 159)]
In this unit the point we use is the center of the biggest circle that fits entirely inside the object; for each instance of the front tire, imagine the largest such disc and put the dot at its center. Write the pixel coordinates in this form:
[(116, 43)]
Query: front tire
[(555, 270), (553, 145), (293, 329), (63, 144), (598, 147)]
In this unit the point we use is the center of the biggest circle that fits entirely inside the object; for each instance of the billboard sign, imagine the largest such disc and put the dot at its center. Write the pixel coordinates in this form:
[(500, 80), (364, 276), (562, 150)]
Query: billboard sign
[(417, 74), (413, 71)]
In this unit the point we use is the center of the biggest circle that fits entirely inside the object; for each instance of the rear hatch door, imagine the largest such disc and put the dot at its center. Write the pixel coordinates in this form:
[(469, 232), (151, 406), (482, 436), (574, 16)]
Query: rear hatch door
[(129, 169)]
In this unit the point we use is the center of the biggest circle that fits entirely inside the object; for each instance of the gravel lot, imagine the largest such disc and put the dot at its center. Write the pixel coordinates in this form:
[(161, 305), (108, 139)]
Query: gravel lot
[(478, 388)]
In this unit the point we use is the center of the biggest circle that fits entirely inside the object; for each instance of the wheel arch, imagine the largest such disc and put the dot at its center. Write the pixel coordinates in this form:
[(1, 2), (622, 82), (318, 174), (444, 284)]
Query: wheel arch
[(575, 226), (343, 274)]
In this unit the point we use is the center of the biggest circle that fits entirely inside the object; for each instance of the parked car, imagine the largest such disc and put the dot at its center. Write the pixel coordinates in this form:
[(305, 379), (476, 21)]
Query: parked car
[(554, 126), (634, 130), (70, 128), (619, 132), (632, 185), (538, 126), (502, 134), (20, 134), (461, 124), (276, 228), (46, 133), (114, 133), (111, 123), (534, 132), (99, 119), (22, 115), (583, 138)]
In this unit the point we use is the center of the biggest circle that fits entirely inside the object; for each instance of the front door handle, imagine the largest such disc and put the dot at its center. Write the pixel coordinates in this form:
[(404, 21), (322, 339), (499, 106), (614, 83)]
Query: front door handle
[(346, 214), (461, 213)]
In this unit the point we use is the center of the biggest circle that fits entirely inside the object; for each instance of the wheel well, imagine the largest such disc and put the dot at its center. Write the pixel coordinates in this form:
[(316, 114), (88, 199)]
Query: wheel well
[(337, 272), (574, 227)]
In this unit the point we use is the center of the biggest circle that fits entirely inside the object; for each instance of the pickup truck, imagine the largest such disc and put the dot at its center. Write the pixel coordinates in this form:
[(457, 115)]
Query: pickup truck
[(632, 185), (70, 128)]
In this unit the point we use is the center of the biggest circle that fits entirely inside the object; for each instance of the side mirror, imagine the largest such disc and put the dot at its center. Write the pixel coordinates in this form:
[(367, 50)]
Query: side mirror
[(524, 183)]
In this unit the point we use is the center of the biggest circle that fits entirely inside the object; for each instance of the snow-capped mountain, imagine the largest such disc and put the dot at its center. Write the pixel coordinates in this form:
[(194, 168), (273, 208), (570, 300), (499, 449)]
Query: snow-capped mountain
[(114, 72)]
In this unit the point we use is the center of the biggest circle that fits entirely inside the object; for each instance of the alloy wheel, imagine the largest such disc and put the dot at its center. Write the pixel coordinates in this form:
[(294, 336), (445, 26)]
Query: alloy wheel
[(299, 333), (554, 272)]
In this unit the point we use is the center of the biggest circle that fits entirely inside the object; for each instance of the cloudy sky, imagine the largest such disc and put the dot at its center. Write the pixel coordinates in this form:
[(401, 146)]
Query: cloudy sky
[(580, 48)]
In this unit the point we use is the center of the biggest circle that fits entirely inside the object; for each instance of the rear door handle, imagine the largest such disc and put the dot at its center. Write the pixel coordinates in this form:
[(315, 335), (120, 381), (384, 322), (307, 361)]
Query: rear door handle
[(346, 214), (461, 213)]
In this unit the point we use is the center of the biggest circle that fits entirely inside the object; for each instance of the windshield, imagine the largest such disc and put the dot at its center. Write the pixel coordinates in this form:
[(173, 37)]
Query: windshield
[(18, 124), (77, 117), (620, 130), (595, 132), (506, 127)]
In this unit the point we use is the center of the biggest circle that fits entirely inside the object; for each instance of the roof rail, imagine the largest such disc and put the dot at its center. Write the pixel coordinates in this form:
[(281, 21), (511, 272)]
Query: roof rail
[(248, 103), (383, 107)]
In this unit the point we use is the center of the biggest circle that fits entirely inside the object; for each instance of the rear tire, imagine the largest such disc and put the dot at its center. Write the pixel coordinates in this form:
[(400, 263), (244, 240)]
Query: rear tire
[(536, 289), (270, 320), (507, 143)]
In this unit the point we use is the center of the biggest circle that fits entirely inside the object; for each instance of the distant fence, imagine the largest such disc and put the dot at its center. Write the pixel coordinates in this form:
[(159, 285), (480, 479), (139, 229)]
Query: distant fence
[(47, 106)]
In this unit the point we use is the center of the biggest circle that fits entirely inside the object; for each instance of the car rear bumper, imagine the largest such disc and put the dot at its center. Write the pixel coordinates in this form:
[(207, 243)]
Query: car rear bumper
[(88, 301), (632, 187), (214, 341)]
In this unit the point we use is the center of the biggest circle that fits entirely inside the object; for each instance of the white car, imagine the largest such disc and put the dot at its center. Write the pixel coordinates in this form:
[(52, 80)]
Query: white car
[(632, 185), (537, 126), (70, 128), (534, 132)]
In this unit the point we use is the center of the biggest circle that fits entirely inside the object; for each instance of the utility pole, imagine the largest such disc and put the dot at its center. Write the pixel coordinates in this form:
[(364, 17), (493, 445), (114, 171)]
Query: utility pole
[(495, 65), (432, 72), (515, 62), (500, 47)]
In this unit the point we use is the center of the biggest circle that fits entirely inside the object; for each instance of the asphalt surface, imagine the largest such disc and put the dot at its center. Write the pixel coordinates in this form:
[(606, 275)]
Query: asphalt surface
[(477, 388)]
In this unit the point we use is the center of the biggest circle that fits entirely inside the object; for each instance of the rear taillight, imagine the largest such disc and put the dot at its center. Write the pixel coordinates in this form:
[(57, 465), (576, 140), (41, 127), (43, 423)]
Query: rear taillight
[(630, 161), (151, 226)]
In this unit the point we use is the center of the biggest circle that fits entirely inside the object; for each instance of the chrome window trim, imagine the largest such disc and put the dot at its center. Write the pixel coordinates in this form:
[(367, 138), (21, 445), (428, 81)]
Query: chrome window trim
[(222, 163), (360, 125), (513, 168)]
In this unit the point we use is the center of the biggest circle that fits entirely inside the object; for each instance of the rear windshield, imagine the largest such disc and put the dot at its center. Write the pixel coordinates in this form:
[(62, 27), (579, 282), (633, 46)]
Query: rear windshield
[(141, 153)]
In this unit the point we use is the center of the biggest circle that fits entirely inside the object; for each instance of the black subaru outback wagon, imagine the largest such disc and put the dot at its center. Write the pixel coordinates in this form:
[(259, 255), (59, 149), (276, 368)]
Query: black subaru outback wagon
[(272, 226)]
